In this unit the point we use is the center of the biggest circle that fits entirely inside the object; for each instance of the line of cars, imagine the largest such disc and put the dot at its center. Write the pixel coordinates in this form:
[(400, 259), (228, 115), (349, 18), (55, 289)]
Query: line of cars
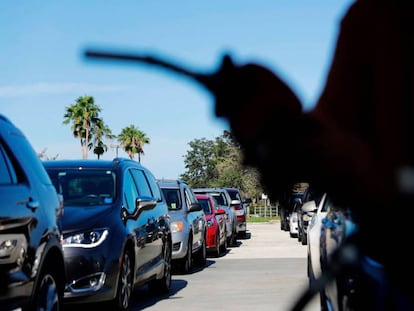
[(82, 231), (342, 276), (203, 220)]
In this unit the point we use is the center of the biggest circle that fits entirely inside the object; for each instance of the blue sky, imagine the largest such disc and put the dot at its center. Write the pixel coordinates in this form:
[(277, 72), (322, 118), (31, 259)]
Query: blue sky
[(43, 71)]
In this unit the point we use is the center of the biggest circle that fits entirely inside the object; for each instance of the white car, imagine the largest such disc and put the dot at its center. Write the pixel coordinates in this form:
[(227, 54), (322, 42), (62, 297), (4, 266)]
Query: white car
[(313, 237), (293, 220)]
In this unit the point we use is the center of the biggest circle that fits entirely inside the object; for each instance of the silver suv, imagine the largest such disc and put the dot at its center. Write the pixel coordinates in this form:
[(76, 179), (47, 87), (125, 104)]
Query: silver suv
[(224, 200), (188, 224), (239, 207)]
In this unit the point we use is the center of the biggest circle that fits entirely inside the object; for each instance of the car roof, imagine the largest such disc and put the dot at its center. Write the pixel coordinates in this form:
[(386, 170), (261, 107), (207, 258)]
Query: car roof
[(87, 163), (232, 189), (202, 196), (211, 189), (170, 183)]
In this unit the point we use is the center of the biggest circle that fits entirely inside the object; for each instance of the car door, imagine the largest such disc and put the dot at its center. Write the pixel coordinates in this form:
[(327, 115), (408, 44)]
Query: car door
[(23, 220), (137, 224), (196, 219), (153, 243)]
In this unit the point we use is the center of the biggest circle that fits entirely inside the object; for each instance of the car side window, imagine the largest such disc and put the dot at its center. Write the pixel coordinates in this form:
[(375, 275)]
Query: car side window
[(173, 199), (326, 204), (189, 199), (155, 188), (142, 183), (7, 173), (224, 199), (130, 192)]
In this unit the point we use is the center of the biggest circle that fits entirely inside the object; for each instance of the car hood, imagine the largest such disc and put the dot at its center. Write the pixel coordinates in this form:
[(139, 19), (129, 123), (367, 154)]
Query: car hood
[(78, 217), (176, 215)]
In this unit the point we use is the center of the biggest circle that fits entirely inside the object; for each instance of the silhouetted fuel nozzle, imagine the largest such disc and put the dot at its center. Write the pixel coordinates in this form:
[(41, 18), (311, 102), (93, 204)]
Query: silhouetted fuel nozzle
[(213, 82)]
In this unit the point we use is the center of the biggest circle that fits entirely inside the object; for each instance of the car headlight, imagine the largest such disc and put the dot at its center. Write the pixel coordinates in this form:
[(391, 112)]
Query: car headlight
[(210, 223), (177, 226), (13, 248), (86, 239)]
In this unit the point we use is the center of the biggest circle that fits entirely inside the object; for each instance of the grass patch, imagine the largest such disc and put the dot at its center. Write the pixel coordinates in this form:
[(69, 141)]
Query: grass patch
[(261, 219)]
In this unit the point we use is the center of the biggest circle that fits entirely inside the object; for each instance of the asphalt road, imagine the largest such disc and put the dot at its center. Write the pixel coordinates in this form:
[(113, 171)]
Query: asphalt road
[(265, 271)]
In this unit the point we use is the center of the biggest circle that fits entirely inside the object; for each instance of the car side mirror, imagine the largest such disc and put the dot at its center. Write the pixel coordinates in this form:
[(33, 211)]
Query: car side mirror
[(235, 202), (220, 211), (141, 204), (145, 202), (309, 206), (195, 207)]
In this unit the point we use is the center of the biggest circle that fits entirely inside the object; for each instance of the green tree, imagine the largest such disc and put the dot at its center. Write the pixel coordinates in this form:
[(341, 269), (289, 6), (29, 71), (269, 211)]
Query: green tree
[(219, 163), (200, 163), (132, 140), (84, 116), (100, 131)]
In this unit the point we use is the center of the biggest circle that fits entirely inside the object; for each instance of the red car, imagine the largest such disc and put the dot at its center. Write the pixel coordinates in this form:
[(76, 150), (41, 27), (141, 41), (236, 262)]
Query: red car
[(216, 224)]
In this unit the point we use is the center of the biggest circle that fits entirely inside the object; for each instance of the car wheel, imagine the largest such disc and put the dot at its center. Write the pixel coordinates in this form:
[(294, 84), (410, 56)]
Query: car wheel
[(223, 247), (304, 240), (201, 256), (216, 250), (242, 234), (123, 294), (187, 261), (163, 285), (232, 240), (47, 294)]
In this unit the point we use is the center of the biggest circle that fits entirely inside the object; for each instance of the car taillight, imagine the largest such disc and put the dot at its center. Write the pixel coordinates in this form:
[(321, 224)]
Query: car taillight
[(238, 207), (241, 218)]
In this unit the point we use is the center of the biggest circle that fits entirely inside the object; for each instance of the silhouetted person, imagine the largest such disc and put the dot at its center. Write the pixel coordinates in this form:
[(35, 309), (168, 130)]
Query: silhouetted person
[(356, 144)]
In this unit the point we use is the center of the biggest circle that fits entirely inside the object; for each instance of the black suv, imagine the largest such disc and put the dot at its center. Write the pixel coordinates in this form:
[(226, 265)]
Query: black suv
[(32, 273), (116, 230)]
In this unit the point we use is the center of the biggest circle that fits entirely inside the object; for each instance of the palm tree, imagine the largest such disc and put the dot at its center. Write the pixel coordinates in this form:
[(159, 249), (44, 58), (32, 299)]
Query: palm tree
[(99, 131), (132, 141), (84, 115)]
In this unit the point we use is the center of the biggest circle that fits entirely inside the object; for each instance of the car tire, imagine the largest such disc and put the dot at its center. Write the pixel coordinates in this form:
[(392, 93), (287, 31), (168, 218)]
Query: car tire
[(304, 240), (200, 257), (232, 239), (124, 289), (216, 250), (163, 285), (242, 234), (187, 261), (223, 247), (47, 293)]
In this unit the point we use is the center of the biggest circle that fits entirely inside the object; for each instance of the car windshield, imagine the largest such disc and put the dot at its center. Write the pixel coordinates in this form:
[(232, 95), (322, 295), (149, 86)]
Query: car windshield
[(172, 196), (234, 195), (206, 206), (220, 198), (84, 187)]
